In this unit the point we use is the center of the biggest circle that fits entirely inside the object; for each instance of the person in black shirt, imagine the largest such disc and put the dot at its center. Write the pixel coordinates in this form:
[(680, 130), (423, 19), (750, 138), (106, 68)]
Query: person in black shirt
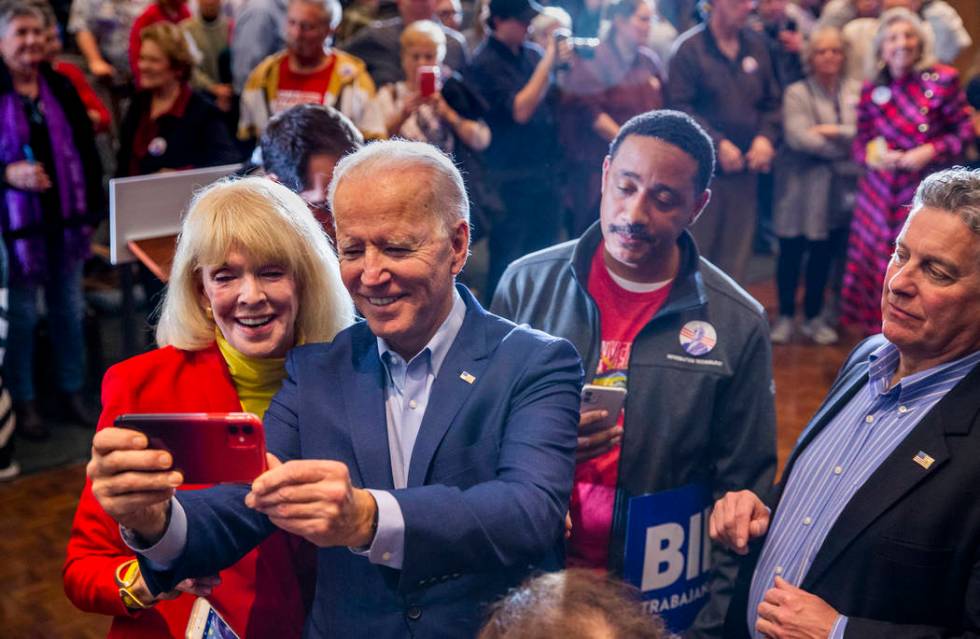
[(721, 74), (516, 79)]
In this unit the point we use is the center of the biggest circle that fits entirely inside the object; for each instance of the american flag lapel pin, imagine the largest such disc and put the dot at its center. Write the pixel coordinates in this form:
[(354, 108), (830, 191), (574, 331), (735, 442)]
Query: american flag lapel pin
[(923, 459), (467, 377)]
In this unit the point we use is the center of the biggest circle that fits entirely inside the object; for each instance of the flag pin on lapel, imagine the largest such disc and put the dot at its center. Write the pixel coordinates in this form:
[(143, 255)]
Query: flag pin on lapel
[(469, 379), (923, 459)]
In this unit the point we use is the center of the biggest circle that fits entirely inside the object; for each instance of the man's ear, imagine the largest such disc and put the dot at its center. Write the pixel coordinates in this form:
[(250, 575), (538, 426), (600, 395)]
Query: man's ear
[(605, 169), (700, 205), (460, 239)]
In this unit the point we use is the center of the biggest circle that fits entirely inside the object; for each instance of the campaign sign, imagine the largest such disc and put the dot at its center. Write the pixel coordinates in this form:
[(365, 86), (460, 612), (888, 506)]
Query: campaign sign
[(668, 552)]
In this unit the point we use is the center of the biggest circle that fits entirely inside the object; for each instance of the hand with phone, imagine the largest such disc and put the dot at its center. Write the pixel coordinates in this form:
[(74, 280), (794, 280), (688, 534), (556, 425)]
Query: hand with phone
[(132, 482), (599, 414)]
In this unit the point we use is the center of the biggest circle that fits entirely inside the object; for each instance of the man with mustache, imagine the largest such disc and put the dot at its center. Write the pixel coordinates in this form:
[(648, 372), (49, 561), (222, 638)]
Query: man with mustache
[(648, 314), (874, 528)]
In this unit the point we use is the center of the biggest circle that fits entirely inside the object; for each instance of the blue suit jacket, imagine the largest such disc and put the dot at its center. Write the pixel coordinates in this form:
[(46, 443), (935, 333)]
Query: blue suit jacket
[(488, 486)]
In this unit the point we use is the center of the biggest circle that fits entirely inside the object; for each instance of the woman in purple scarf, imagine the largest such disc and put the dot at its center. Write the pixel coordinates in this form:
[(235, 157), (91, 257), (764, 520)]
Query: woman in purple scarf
[(50, 199)]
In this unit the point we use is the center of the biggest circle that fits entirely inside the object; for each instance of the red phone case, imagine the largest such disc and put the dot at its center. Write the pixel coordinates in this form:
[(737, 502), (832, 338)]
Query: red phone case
[(428, 79), (208, 448)]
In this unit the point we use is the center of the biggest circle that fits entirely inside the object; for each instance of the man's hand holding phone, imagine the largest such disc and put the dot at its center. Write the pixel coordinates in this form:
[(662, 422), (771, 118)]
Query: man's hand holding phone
[(132, 482), (599, 414), (314, 499)]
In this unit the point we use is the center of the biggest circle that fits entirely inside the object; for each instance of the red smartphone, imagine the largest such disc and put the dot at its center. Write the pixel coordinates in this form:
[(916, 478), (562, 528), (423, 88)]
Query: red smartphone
[(208, 448), (428, 80)]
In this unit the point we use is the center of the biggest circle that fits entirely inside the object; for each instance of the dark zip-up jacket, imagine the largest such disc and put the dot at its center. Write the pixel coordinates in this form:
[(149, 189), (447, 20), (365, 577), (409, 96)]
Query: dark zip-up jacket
[(706, 419)]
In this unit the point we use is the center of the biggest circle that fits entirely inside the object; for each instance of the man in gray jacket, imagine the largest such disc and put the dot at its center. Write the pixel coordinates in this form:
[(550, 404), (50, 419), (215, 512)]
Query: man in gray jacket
[(691, 348)]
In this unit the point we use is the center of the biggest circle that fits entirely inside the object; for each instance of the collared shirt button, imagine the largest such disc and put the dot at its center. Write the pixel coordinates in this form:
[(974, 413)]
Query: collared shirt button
[(778, 570), (903, 409), (928, 93), (807, 521), (386, 556), (925, 76), (414, 613), (869, 419), (924, 110), (923, 127), (838, 470), (412, 404)]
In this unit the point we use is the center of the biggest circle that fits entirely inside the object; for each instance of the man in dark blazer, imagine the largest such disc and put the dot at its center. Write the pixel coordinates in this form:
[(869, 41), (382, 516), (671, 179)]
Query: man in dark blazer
[(428, 451), (874, 530)]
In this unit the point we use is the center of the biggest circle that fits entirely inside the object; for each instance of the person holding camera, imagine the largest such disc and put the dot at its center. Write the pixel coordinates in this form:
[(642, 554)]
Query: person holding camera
[(516, 79)]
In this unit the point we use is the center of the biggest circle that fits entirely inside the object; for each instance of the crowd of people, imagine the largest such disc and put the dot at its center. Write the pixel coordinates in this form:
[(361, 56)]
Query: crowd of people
[(434, 457)]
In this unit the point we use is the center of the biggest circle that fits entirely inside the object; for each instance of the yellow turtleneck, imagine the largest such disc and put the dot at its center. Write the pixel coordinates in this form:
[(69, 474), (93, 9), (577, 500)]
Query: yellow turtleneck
[(256, 380)]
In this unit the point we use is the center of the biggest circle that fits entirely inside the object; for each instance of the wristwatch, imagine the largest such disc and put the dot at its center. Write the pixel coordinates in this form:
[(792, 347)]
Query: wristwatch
[(126, 575)]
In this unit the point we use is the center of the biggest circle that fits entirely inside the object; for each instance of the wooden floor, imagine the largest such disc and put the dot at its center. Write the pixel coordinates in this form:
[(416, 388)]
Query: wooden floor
[(36, 511)]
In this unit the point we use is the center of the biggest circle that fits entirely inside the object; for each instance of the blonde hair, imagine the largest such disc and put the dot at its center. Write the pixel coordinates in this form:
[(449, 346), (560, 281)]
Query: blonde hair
[(173, 44), (424, 32), (926, 56), (269, 223)]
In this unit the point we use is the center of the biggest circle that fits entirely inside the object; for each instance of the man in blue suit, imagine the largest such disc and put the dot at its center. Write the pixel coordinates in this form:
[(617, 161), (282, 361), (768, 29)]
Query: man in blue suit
[(428, 451)]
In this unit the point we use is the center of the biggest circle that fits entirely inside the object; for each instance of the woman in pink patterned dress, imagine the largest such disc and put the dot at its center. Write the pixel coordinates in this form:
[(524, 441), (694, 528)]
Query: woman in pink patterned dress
[(912, 120)]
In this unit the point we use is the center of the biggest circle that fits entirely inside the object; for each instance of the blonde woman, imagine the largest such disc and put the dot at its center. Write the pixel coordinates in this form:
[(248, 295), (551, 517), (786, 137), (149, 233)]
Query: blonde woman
[(446, 118), (253, 275)]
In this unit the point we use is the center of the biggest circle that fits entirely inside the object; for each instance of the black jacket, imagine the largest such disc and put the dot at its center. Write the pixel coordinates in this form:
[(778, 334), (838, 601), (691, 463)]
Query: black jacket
[(903, 559), (198, 138)]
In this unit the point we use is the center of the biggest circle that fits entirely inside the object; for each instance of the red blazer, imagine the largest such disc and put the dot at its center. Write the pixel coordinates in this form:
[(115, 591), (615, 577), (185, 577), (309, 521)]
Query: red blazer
[(263, 595)]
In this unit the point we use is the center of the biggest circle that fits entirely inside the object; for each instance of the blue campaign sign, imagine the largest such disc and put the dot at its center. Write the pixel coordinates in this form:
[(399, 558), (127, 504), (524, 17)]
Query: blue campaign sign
[(668, 552)]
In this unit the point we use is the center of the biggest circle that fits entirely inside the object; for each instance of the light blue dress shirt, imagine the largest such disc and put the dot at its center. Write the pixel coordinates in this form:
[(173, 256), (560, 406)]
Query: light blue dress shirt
[(407, 389), (839, 460)]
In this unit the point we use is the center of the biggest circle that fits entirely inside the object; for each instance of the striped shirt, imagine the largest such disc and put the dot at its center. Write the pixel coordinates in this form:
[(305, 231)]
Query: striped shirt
[(839, 460)]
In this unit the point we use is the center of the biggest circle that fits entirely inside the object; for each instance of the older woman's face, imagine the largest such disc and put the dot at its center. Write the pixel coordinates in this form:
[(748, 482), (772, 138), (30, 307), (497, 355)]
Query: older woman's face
[(154, 66), (901, 47), (420, 54), (827, 55), (24, 44), (637, 27), (254, 304)]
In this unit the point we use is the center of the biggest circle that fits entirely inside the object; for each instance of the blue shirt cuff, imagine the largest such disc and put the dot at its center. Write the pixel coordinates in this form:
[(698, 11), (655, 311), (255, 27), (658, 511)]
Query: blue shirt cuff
[(162, 554), (837, 630), (388, 547)]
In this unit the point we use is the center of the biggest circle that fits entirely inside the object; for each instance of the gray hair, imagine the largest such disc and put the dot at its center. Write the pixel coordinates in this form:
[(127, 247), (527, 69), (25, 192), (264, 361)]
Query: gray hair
[(10, 10), (927, 57), (388, 157), (821, 30), (956, 190), (331, 7)]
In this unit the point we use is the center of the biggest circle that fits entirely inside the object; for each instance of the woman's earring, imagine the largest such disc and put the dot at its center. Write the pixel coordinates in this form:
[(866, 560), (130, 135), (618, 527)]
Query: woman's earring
[(209, 313)]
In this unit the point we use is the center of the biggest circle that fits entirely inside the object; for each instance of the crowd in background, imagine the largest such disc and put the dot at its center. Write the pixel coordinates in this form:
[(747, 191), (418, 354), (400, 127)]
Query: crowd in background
[(825, 117)]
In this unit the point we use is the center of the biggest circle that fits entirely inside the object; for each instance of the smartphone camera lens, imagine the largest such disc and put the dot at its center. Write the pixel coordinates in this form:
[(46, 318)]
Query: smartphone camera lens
[(233, 430), (248, 430)]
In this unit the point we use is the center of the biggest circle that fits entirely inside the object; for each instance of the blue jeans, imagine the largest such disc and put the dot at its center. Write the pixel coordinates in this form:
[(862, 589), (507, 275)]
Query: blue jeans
[(65, 303)]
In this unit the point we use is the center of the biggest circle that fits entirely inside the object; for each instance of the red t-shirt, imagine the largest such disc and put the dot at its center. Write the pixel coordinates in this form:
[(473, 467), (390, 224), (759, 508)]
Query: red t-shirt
[(301, 88), (622, 315)]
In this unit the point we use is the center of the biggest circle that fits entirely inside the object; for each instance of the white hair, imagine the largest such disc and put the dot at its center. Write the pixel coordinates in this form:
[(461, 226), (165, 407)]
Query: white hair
[(446, 190)]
